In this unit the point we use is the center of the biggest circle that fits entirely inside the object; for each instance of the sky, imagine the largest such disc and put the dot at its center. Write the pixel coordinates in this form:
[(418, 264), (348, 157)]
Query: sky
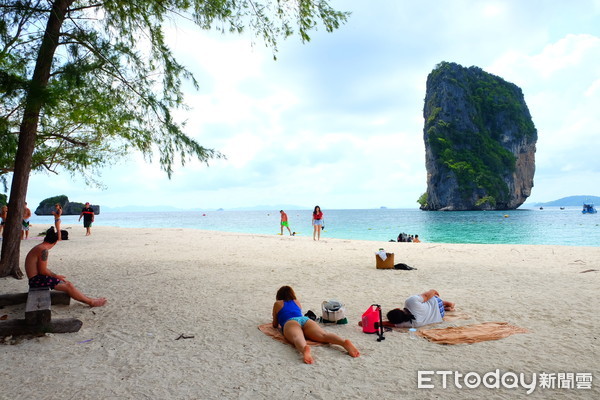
[(338, 122)]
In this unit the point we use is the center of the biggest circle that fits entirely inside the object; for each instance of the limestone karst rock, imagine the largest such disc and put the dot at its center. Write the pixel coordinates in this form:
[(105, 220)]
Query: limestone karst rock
[(479, 141), (69, 208)]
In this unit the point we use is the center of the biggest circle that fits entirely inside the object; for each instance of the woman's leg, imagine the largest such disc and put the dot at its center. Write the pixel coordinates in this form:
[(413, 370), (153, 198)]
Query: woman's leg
[(292, 331), (313, 331), (57, 225), (315, 227)]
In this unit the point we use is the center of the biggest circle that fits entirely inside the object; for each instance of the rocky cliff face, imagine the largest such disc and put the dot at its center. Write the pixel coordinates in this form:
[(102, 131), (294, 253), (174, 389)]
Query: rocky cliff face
[(479, 141)]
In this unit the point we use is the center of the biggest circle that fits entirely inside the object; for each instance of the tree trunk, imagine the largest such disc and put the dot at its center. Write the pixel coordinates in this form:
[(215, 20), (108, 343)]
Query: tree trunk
[(36, 97)]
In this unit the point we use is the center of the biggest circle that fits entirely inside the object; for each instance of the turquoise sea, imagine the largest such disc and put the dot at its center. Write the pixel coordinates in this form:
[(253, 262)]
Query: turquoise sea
[(524, 226)]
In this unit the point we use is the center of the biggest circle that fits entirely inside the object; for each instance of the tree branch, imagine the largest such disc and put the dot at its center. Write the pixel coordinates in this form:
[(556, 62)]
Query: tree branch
[(65, 138), (20, 7), (97, 5)]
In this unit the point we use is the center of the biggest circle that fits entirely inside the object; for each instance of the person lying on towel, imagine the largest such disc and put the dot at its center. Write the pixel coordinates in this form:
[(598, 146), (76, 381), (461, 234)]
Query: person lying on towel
[(419, 309), (296, 328)]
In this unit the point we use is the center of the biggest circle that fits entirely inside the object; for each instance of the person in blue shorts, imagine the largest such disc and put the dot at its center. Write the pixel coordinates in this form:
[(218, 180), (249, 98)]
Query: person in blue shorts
[(296, 328), (420, 309), (317, 222)]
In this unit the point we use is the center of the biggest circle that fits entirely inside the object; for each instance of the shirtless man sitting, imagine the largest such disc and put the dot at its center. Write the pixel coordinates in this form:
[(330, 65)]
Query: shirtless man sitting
[(36, 268)]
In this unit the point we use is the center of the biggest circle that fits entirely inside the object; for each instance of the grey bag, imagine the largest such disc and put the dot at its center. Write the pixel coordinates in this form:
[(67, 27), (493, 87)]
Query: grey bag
[(333, 310)]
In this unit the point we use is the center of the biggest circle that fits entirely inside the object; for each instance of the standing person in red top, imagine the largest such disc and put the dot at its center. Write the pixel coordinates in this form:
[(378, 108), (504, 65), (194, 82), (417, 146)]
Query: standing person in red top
[(317, 221), (88, 217)]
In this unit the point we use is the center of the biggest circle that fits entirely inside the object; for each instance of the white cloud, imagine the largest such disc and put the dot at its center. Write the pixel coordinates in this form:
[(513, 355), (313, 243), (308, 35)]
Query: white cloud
[(594, 90), (560, 83), (339, 121)]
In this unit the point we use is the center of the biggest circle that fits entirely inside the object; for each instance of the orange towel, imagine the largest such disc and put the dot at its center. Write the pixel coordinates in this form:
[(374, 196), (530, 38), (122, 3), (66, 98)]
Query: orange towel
[(268, 330), (471, 333)]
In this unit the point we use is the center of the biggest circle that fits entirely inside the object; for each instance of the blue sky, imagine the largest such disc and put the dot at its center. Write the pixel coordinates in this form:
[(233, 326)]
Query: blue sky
[(339, 121)]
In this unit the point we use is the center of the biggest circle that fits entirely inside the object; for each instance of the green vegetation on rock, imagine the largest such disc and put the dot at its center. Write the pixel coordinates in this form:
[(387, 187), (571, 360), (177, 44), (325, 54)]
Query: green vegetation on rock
[(469, 114), (52, 201), (423, 200)]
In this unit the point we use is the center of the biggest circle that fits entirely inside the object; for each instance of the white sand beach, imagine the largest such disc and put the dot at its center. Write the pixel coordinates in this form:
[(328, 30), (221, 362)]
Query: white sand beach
[(218, 287)]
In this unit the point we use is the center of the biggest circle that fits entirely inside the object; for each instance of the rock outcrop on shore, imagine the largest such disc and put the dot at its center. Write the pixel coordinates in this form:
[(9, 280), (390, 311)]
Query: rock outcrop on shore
[(480, 141), (69, 208)]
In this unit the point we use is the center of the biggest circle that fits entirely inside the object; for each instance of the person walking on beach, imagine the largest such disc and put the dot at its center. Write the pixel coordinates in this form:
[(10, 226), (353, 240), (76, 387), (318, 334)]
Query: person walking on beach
[(284, 222), (88, 217), (296, 328), (36, 268), (420, 309), (57, 213), (3, 214), (26, 216), (317, 222)]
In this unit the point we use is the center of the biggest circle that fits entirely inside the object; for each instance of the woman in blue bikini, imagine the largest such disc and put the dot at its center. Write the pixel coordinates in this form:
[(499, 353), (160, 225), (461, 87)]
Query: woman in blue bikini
[(287, 313)]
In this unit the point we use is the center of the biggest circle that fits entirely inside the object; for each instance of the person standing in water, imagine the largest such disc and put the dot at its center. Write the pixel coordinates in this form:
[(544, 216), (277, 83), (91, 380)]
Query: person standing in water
[(284, 222)]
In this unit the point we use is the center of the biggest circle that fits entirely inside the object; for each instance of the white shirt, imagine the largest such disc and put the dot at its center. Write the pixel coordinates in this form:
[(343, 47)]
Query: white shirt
[(424, 312)]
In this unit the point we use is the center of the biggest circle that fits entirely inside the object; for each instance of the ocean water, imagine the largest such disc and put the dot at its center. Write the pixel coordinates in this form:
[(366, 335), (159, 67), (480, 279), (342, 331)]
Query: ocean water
[(527, 226)]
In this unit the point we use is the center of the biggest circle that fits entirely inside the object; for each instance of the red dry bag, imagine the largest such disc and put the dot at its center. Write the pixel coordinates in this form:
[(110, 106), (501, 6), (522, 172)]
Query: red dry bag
[(371, 319)]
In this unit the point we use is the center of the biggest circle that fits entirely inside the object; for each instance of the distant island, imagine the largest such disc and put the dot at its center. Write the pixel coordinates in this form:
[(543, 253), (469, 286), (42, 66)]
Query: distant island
[(570, 201), (69, 208)]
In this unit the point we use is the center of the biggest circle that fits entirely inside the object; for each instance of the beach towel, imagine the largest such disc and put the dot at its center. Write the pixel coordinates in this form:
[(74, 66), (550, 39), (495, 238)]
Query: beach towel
[(470, 333), (268, 330)]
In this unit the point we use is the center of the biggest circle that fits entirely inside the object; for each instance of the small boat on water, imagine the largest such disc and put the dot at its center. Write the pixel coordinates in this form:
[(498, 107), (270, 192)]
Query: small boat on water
[(588, 208)]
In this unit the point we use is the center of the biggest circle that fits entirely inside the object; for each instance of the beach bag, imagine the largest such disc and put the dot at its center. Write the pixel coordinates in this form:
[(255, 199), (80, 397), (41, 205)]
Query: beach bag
[(64, 235), (372, 321), (311, 315), (403, 266), (334, 311)]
